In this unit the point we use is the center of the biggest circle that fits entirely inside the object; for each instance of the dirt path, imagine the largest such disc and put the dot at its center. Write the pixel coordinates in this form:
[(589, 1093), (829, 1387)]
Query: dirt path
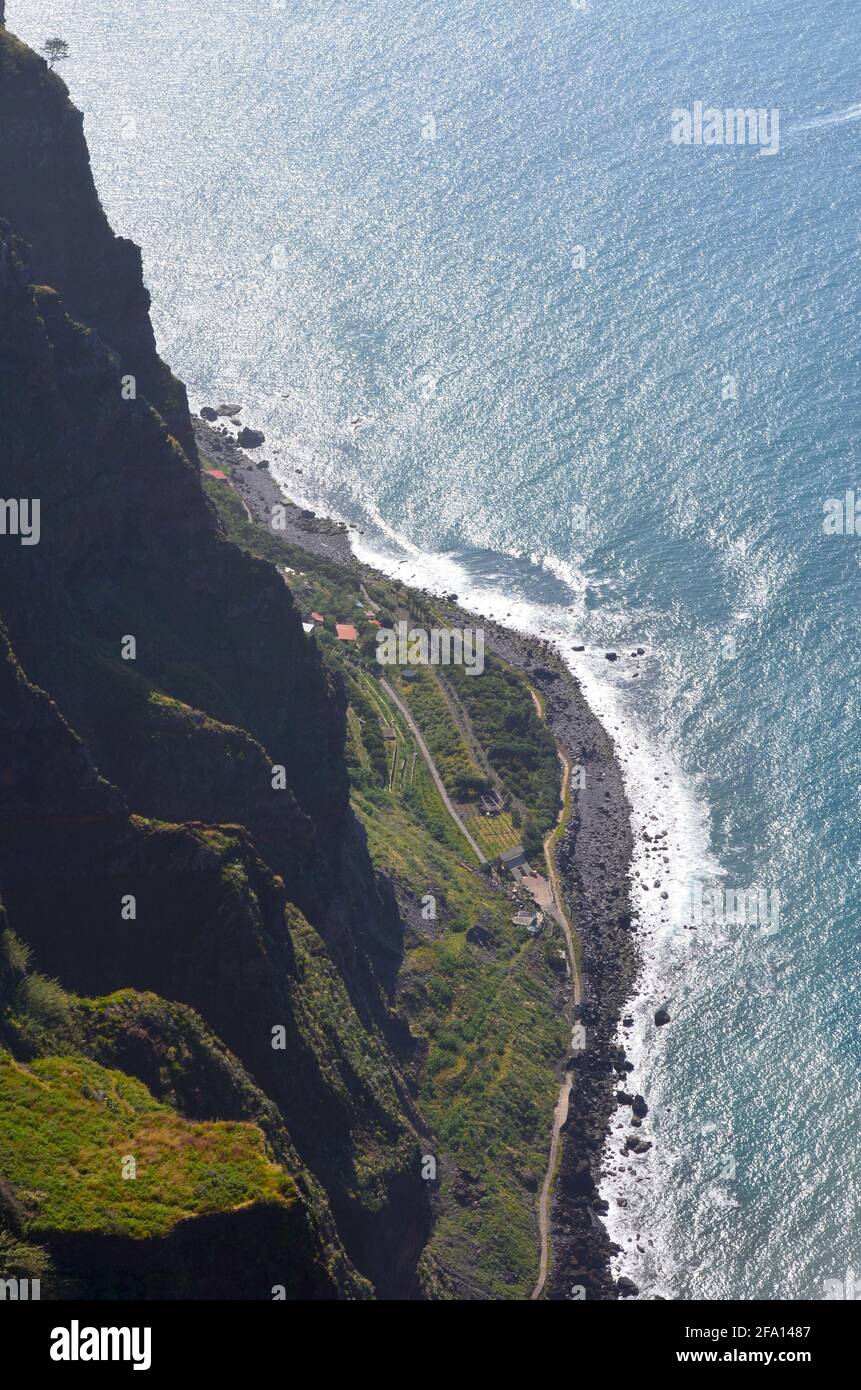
[(560, 1114), (426, 754), (374, 607), (238, 494), (553, 875)]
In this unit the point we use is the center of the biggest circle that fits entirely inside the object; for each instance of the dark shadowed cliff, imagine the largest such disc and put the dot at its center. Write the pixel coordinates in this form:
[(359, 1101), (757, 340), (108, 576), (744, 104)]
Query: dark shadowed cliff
[(48, 195)]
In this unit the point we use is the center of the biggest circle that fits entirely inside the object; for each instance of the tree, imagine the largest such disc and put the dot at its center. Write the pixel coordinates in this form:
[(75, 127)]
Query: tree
[(55, 50)]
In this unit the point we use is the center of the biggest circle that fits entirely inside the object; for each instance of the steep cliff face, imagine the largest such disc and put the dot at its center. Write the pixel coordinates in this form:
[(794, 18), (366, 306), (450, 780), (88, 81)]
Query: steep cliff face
[(171, 738), (47, 193), (224, 688), (128, 548)]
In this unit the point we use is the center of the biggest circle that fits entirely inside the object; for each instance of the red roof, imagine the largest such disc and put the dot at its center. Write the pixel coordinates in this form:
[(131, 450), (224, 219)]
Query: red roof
[(346, 632), (217, 473), (318, 617)]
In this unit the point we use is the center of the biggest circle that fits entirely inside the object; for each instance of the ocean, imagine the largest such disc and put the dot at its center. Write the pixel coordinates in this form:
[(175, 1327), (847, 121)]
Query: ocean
[(600, 384)]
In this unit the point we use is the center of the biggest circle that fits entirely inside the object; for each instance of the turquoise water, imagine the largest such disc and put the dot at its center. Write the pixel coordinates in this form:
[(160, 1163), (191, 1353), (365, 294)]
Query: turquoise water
[(467, 225)]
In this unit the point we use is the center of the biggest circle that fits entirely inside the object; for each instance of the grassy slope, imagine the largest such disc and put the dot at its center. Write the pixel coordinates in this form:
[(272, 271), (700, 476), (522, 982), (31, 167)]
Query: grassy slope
[(78, 1062), (519, 746), (67, 1123), (483, 1009)]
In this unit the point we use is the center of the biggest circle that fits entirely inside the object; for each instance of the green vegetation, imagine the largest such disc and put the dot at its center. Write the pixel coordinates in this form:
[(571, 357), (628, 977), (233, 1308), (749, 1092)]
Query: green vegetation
[(495, 833), (461, 774), (519, 745), (484, 1008), (183, 1168), (16, 60), (353, 1070), (68, 1124), (487, 1089)]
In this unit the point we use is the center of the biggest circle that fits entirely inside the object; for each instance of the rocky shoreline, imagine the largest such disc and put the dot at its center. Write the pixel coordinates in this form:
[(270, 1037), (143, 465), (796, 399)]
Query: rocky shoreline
[(593, 860), (255, 486)]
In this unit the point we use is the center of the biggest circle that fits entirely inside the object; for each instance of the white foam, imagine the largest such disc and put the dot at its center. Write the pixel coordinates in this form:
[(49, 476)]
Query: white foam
[(850, 113)]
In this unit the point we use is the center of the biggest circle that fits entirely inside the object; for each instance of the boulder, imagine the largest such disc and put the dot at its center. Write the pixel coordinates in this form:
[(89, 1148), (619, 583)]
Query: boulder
[(635, 1145), (581, 1182)]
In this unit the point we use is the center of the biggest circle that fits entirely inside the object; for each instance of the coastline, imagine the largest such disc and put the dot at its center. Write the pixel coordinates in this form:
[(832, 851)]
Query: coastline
[(593, 859), (593, 856)]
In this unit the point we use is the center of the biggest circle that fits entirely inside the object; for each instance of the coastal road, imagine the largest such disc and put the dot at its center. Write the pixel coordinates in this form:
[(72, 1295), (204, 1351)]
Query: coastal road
[(426, 754), (553, 875), (560, 1114)]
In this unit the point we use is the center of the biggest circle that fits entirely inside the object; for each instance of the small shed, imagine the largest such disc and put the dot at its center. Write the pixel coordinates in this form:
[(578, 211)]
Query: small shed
[(515, 861)]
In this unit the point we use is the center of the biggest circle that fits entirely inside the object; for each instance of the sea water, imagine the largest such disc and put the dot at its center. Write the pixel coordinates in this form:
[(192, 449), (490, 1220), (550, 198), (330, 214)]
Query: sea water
[(601, 383)]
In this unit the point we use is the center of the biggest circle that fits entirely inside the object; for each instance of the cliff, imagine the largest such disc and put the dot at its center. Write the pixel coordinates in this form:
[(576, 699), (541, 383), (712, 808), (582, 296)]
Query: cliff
[(48, 195), (200, 777)]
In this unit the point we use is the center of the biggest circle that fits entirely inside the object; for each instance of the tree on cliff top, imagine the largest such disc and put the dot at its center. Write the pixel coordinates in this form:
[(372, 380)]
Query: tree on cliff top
[(55, 50)]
